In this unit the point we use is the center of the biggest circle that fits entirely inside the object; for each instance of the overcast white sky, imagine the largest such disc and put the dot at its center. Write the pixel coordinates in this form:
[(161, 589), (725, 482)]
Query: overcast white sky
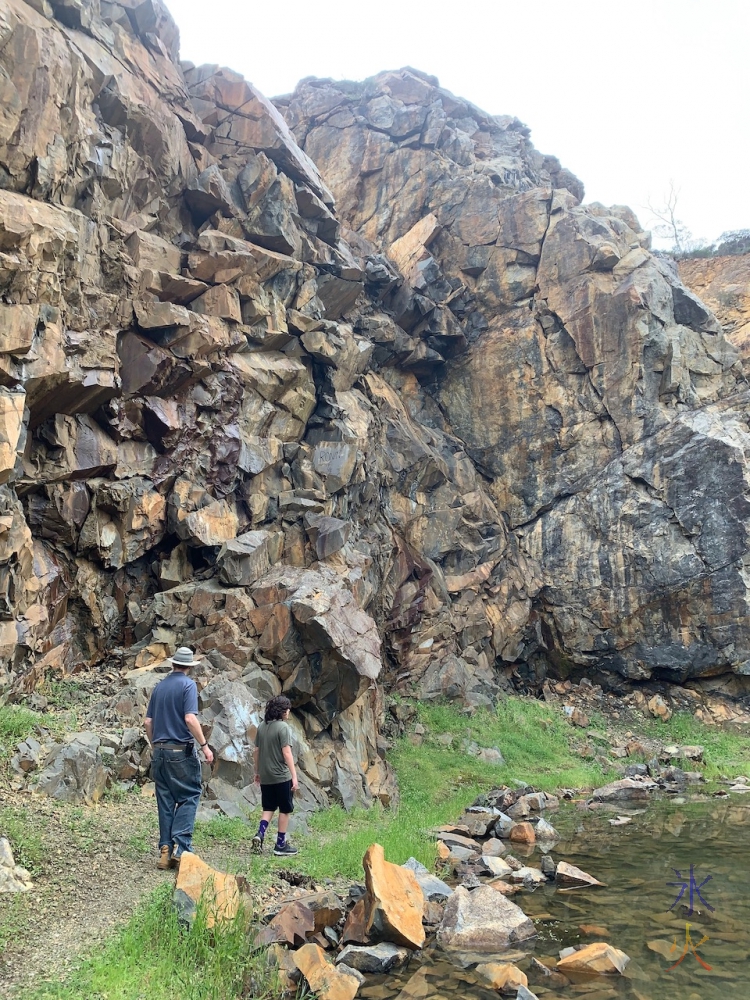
[(628, 95)]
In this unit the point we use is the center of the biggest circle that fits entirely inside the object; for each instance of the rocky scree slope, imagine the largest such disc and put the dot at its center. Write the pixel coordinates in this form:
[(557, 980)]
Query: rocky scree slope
[(348, 385)]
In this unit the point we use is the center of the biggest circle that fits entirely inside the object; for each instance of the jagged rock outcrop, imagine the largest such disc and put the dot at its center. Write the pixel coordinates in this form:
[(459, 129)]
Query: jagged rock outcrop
[(592, 389), (723, 283), (342, 389)]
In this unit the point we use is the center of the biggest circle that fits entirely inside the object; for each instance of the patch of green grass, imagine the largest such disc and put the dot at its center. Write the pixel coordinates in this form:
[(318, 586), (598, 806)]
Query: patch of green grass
[(63, 693), (535, 740), (16, 723), (725, 753), (26, 836), (13, 919), (116, 792), (223, 830), (437, 782), (154, 957), (139, 844)]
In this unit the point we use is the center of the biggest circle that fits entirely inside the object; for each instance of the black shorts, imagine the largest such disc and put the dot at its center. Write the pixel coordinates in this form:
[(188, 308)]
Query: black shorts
[(279, 797)]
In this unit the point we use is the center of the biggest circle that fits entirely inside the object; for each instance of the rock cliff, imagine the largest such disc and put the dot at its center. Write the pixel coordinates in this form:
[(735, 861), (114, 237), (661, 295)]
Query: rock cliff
[(723, 283), (345, 388)]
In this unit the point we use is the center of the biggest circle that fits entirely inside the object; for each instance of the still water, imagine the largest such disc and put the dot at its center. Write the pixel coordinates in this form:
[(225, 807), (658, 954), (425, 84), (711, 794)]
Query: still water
[(636, 861)]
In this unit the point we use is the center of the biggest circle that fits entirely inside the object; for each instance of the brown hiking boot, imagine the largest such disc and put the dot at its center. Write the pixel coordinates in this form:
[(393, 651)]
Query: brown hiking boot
[(165, 862)]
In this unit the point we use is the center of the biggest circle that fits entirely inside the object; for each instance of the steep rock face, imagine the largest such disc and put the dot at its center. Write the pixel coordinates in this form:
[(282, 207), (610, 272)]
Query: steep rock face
[(592, 389), (723, 283), (322, 388), (197, 446)]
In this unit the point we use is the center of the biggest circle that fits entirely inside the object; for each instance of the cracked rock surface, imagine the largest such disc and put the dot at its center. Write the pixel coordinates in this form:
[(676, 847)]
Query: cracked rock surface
[(346, 390)]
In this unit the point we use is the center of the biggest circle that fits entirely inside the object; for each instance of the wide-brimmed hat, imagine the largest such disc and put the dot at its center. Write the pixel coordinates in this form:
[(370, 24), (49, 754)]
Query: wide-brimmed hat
[(184, 658)]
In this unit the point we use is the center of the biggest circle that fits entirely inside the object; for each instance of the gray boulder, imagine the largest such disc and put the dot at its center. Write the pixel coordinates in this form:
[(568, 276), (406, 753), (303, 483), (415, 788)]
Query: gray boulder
[(503, 825), (482, 921), (433, 888), (378, 958), (27, 757), (525, 994), (545, 831), (232, 710), (625, 789), (74, 771), (244, 560)]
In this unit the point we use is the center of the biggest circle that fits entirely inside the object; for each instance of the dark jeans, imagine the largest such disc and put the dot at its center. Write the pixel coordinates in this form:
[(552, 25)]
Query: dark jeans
[(177, 777)]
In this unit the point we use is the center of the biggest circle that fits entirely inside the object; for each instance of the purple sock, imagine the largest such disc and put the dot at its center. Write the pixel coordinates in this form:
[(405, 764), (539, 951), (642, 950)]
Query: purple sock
[(281, 840), (262, 828)]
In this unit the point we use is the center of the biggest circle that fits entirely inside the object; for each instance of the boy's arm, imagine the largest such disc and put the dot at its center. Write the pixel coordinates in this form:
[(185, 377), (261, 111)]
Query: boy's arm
[(256, 760), (289, 761)]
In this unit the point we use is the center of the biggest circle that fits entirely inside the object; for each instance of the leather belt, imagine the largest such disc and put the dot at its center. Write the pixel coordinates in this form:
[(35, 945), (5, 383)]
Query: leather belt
[(172, 746)]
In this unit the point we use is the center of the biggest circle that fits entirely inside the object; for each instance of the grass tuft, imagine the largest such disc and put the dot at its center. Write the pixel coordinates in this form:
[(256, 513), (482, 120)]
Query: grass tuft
[(26, 836), (726, 753), (16, 723), (154, 956), (224, 830)]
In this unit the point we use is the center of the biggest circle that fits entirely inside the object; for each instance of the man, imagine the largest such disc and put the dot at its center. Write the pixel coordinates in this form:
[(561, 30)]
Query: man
[(275, 773), (173, 731)]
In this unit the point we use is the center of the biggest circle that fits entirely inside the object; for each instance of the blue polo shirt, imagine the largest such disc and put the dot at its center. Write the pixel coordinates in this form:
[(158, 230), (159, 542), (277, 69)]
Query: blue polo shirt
[(171, 700)]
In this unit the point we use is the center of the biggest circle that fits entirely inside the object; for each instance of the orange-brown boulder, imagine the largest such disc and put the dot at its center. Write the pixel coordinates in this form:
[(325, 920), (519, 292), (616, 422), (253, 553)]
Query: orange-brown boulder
[(502, 976), (523, 833), (291, 925), (197, 882), (600, 958), (323, 978), (355, 930), (394, 902), (500, 885), (327, 908)]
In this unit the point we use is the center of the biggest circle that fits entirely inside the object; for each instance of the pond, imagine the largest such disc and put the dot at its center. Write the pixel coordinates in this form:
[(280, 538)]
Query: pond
[(636, 861)]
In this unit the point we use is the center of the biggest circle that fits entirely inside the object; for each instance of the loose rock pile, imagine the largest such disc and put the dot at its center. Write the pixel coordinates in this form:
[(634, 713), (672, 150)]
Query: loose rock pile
[(81, 767), (335, 940)]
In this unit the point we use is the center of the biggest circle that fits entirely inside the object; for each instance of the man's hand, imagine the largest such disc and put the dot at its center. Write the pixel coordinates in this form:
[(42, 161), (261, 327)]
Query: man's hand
[(208, 753), (257, 779), (295, 783)]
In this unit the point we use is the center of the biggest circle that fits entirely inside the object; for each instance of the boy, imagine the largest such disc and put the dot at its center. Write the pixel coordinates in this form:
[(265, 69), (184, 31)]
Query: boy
[(275, 773)]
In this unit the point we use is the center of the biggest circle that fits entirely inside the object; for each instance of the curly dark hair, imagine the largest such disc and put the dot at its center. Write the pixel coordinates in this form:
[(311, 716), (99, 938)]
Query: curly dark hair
[(276, 707)]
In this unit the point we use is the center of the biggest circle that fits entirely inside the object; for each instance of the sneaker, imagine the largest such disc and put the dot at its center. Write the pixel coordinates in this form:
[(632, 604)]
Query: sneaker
[(257, 844), (287, 851), (165, 861)]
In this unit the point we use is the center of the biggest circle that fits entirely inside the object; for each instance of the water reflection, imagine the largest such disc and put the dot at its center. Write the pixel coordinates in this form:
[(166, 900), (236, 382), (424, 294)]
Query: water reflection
[(632, 912)]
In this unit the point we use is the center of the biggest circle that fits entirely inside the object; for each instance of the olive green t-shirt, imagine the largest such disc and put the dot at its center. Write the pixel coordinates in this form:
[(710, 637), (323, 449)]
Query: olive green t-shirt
[(271, 739)]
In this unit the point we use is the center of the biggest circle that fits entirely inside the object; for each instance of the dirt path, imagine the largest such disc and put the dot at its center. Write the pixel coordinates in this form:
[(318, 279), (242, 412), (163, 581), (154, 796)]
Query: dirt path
[(93, 868)]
